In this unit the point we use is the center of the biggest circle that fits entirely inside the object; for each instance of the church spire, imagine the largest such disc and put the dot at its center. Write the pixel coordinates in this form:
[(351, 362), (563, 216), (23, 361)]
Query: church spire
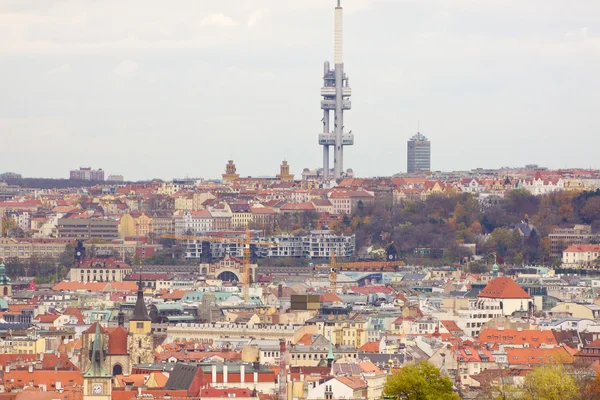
[(95, 370), (140, 312), (330, 356)]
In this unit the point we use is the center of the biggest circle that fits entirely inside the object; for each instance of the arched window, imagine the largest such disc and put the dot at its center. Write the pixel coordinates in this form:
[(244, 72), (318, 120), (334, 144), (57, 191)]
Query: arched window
[(140, 343), (5, 290), (117, 370)]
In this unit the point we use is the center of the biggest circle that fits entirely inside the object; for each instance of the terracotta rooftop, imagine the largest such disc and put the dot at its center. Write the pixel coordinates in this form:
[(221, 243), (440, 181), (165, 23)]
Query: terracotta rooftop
[(531, 337), (117, 341), (503, 288), (582, 248)]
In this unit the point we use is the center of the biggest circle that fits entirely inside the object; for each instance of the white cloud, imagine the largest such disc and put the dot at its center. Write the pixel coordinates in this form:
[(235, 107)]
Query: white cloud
[(256, 16), (126, 68), (218, 20), (60, 69)]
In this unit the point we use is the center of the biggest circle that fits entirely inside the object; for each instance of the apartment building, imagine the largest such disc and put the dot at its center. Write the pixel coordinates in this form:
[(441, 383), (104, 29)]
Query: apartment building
[(346, 202), (88, 228), (581, 256), (316, 244), (561, 238), (164, 223), (241, 215), (194, 222), (87, 174), (27, 248), (100, 270), (221, 219)]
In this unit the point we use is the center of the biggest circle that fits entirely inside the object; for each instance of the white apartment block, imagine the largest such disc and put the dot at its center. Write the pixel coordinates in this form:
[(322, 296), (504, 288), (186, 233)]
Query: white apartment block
[(193, 221)]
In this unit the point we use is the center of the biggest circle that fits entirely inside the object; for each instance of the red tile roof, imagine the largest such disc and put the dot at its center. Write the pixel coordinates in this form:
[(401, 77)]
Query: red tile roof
[(20, 378), (92, 329), (352, 382), (582, 248), (224, 393), (298, 207), (536, 356), (531, 337), (46, 319), (330, 298), (503, 288), (370, 347), (117, 341), (451, 326)]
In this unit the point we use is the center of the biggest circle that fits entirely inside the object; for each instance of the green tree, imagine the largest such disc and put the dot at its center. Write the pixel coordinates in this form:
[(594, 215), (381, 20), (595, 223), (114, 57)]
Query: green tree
[(591, 209), (421, 381), (67, 257), (550, 382)]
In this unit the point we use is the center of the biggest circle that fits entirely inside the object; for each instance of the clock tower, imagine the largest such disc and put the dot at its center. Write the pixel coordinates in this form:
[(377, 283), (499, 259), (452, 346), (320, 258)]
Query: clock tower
[(97, 384), (140, 341)]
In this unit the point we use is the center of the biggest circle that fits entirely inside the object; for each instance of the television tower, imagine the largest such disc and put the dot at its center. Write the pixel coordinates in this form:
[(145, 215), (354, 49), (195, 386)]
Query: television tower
[(336, 94)]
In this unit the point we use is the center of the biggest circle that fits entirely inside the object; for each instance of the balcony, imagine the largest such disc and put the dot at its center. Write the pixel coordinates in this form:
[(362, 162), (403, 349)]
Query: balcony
[(327, 139), (330, 104), (330, 91)]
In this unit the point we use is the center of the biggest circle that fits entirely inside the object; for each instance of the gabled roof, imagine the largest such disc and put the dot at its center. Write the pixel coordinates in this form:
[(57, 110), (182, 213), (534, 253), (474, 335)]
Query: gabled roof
[(535, 356), (117, 341), (531, 337), (370, 347), (582, 248), (329, 298), (503, 288), (352, 382), (46, 318)]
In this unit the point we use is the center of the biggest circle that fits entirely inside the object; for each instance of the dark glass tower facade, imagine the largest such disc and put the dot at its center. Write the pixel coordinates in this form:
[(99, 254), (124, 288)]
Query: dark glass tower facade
[(419, 154)]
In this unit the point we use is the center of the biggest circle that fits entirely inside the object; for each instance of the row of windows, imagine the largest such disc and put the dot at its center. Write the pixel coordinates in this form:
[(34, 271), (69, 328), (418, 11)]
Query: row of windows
[(314, 356)]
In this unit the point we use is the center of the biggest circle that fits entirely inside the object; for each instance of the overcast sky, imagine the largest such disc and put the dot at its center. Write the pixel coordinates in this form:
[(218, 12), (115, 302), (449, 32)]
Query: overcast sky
[(154, 88)]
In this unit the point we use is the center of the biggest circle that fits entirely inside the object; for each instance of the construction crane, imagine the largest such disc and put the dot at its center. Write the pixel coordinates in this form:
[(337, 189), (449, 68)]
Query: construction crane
[(246, 241), (334, 266)]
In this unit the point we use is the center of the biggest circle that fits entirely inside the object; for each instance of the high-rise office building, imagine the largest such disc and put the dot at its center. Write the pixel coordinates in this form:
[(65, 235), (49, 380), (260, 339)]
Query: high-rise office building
[(419, 154)]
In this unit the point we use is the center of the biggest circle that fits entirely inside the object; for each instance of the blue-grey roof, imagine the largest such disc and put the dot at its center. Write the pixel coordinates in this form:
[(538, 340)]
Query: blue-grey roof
[(413, 277)]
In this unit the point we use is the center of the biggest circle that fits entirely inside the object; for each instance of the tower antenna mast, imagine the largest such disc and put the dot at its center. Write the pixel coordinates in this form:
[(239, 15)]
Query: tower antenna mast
[(336, 94)]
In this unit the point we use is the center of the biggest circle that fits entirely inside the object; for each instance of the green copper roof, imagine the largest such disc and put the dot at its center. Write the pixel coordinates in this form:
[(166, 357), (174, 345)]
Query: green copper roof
[(330, 352), (95, 370)]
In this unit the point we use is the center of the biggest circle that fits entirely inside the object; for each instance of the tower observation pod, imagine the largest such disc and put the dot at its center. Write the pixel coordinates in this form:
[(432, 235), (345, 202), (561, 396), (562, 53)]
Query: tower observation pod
[(336, 94)]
